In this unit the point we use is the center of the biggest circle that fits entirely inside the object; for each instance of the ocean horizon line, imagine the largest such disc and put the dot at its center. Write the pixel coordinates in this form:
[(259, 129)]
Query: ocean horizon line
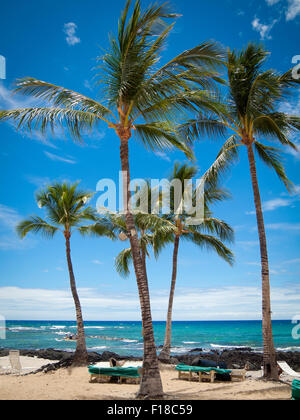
[(139, 321)]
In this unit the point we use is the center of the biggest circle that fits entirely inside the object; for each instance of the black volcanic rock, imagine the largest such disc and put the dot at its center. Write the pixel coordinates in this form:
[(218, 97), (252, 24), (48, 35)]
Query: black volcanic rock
[(232, 358)]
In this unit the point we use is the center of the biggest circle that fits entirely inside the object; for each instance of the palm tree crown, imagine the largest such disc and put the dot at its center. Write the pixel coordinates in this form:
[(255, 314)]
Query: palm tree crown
[(250, 112), (66, 211), (137, 93)]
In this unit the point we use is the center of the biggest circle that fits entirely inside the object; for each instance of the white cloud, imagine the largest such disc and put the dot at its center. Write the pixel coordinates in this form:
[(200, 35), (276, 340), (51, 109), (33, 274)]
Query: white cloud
[(248, 244), (240, 302), (294, 261), (275, 204), (9, 240), (60, 158), (97, 262), (38, 181), (163, 156), (263, 29), (70, 30), (284, 226), (291, 11), (10, 100), (87, 85), (8, 217)]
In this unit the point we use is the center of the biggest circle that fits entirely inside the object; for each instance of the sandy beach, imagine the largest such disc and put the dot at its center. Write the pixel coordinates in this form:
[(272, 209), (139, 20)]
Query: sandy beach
[(73, 384)]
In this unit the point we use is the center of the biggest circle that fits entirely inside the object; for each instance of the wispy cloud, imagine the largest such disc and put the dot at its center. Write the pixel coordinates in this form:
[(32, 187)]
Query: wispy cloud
[(9, 240), (247, 244), (263, 29), (87, 85), (293, 261), (60, 158), (38, 181), (284, 226), (11, 100), (292, 9), (70, 30), (163, 156), (97, 262), (277, 203)]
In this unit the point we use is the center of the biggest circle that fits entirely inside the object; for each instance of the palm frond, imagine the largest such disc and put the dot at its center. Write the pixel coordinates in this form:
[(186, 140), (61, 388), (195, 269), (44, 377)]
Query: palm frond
[(97, 230), (123, 261), (276, 126), (217, 227), (59, 96), (36, 225), (271, 157), (76, 122), (227, 156), (161, 136), (211, 243)]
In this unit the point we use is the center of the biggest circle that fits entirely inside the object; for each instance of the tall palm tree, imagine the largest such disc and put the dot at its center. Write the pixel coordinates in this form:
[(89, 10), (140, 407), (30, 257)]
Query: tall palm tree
[(140, 97), (208, 233), (66, 212), (252, 112)]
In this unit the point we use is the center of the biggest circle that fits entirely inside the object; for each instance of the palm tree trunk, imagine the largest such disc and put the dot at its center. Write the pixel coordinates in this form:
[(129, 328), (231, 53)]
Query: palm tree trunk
[(80, 356), (151, 385), (165, 352), (269, 357)]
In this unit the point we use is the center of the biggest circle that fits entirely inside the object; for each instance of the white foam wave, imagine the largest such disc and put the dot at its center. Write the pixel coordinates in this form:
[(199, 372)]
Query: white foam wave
[(94, 328), (125, 340), (97, 348), (23, 329), (221, 346), (57, 327)]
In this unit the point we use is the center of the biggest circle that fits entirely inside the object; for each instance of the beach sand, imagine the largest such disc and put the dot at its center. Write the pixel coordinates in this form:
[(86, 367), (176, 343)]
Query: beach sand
[(73, 384), (29, 364)]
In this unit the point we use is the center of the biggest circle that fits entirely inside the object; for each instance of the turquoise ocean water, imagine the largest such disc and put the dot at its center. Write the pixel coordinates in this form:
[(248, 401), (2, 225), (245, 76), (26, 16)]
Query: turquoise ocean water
[(125, 338)]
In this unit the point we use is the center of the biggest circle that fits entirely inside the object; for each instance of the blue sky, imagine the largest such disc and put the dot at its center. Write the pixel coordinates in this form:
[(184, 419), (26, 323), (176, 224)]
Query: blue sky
[(59, 44)]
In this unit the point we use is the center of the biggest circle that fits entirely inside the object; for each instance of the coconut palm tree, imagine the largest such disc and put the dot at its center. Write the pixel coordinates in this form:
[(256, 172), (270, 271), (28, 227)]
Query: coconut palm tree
[(139, 97), (252, 113), (67, 213), (208, 233)]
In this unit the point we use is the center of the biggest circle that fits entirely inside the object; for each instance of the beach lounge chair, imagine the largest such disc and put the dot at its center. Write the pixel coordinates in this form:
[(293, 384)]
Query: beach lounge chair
[(14, 358), (296, 390), (128, 374), (288, 370), (199, 373), (238, 375)]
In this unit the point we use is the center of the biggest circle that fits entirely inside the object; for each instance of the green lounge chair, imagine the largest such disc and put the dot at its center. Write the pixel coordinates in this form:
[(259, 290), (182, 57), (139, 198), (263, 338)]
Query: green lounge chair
[(296, 390), (203, 373), (132, 373)]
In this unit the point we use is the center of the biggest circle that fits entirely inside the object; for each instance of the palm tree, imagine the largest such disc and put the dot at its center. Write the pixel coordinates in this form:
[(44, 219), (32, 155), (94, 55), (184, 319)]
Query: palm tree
[(209, 233), (138, 97), (251, 112), (66, 212)]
